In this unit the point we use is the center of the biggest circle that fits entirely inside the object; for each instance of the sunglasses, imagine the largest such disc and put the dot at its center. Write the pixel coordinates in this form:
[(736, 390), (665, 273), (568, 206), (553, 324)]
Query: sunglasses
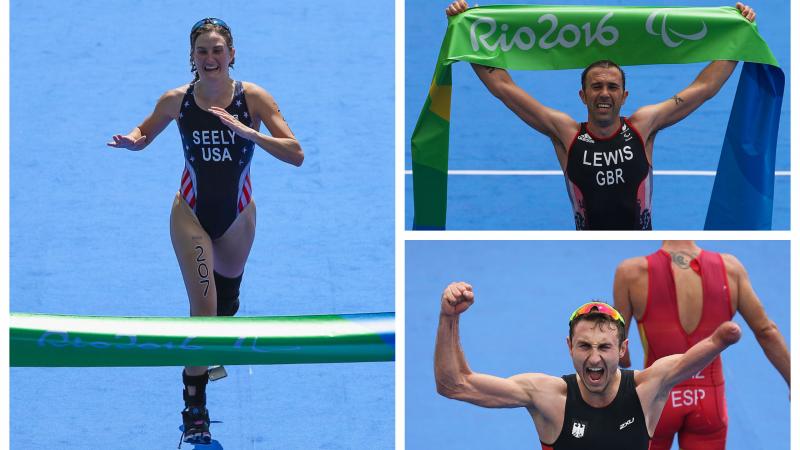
[(212, 21), (597, 307)]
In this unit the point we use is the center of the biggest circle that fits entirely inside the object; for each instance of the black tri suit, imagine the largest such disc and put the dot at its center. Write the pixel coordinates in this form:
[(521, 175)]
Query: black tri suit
[(216, 176), (610, 181), (618, 426)]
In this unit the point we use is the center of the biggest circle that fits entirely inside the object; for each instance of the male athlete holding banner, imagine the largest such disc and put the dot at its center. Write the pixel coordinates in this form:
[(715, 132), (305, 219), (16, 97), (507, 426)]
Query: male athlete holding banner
[(607, 160)]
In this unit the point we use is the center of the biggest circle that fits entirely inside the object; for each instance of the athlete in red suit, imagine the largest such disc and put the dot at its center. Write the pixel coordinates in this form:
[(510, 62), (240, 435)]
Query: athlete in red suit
[(679, 295)]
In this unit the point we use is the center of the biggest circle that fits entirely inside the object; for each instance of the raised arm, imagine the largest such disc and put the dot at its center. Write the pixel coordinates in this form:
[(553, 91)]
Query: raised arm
[(626, 273), (650, 119), (553, 123), (550, 122), (654, 383), (455, 380), (140, 137), (698, 356), (765, 330), (281, 142)]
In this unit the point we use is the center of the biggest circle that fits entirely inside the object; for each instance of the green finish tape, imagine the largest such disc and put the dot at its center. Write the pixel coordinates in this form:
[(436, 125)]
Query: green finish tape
[(563, 37), (41, 340)]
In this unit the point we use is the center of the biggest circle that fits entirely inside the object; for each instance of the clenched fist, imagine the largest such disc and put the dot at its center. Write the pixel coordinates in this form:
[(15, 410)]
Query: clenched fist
[(456, 8), (457, 298)]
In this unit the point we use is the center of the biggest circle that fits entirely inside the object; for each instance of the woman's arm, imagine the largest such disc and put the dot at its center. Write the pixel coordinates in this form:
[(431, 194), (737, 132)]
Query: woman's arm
[(140, 137), (281, 144)]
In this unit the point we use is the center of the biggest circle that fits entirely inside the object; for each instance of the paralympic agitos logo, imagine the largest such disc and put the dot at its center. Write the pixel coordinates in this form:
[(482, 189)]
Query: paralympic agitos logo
[(665, 31), (483, 33)]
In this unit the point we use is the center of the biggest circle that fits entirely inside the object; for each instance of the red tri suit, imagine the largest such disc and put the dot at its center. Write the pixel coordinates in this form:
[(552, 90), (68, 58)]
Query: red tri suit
[(695, 408)]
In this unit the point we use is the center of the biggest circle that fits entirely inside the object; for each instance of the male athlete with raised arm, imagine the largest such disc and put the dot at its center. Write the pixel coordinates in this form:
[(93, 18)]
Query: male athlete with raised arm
[(607, 160), (600, 407), (679, 295)]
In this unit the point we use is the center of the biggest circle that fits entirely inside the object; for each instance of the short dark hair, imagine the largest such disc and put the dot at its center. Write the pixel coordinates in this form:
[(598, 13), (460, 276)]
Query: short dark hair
[(600, 319), (606, 64)]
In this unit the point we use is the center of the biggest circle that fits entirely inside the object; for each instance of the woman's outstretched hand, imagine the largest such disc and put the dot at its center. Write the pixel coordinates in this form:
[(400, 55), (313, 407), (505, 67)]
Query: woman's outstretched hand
[(125, 141)]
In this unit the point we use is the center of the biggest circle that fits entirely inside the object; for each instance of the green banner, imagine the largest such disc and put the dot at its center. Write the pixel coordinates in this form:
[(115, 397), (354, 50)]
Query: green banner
[(40, 340), (563, 37)]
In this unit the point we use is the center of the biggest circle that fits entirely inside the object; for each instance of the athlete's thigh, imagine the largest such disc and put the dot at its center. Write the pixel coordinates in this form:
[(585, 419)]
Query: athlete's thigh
[(660, 443), (670, 421), (703, 441), (233, 247), (707, 429), (195, 254)]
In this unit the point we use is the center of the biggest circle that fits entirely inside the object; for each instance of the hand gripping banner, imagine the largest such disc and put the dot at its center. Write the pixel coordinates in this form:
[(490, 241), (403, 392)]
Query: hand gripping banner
[(571, 37)]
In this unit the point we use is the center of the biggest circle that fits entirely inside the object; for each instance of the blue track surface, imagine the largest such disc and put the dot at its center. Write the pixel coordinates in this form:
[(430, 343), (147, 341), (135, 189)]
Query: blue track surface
[(485, 135), (524, 294), (89, 224)]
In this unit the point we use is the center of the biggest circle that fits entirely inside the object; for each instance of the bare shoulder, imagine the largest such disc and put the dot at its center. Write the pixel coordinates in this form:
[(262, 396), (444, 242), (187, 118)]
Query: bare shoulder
[(656, 371), (170, 102), (257, 93), (732, 264), (541, 382), (632, 268), (176, 94), (540, 389), (566, 125), (642, 119), (643, 113)]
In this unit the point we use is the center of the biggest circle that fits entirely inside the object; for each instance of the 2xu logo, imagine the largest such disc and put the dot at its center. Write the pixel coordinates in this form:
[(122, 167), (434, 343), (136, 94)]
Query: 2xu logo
[(570, 35)]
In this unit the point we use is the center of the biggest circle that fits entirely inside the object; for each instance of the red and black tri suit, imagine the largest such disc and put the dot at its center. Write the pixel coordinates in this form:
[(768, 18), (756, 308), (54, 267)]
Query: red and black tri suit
[(610, 180)]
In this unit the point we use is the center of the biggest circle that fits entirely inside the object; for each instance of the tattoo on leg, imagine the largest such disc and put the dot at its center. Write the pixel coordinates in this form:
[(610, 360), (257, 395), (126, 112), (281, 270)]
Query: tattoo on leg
[(202, 268), (681, 259), (677, 99)]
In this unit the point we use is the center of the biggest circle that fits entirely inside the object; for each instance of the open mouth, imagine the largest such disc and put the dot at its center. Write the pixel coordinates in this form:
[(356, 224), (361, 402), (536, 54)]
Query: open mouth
[(210, 67), (595, 373), (603, 106)]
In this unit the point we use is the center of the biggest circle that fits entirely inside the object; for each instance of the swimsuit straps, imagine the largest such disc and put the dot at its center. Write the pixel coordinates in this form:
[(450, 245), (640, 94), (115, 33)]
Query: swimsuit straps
[(609, 180), (216, 178)]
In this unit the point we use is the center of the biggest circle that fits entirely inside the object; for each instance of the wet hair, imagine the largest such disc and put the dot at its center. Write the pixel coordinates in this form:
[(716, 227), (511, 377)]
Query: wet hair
[(208, 28), (599, 319), (606, 64)]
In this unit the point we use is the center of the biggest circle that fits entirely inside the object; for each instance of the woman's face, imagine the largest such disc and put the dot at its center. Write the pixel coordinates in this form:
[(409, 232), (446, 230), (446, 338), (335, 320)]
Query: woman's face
[(212, 56)]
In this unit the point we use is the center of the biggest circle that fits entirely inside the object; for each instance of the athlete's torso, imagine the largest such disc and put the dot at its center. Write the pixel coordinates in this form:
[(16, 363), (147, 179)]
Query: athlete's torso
[(609, 181), (620, 425), (660, 326), (216, 178)]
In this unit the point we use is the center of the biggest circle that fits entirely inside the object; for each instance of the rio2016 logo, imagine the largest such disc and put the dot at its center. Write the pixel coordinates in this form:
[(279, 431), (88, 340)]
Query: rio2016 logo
[(524, 38), (483, 33), (665, 31)]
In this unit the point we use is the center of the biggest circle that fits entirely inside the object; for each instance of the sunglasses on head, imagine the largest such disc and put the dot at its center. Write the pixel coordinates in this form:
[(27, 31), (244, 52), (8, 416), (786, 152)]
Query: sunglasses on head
[(212, 21), (597, 307)]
